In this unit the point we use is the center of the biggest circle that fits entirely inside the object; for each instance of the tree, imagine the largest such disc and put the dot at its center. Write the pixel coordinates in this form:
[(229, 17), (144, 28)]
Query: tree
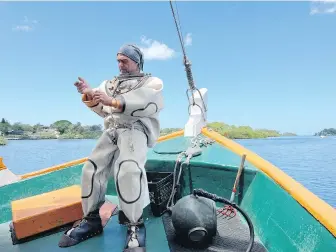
[(96, 127), (4, 126), (61, 125), (37, 127), (17, 126), (327, 132), (78, 128)]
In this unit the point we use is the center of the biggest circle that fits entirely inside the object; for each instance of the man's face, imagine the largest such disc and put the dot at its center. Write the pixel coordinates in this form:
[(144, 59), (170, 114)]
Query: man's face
[(126, 65)]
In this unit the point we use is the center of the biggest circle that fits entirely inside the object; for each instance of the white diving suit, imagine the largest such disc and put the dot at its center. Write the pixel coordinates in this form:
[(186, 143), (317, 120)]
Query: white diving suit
[(120, 152)]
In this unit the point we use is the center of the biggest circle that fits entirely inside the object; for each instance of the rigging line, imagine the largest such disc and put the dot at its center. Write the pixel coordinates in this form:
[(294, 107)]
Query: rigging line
[(187, 65), (178, 19), (178, 30)]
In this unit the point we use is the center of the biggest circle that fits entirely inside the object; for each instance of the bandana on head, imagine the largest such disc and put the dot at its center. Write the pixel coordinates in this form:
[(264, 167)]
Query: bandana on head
[(134, 53)]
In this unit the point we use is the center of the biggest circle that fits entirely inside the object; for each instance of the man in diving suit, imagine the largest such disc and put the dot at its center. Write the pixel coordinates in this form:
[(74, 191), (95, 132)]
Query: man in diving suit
[(130, 104)]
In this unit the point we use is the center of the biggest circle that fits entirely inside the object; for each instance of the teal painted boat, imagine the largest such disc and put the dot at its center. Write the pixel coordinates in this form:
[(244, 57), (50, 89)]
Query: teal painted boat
[(285, 216)]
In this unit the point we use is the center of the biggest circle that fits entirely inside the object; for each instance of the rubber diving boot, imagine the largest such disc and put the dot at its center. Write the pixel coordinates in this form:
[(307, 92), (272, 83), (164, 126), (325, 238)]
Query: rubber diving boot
[(123, 220), (88, 227), (135, 238)]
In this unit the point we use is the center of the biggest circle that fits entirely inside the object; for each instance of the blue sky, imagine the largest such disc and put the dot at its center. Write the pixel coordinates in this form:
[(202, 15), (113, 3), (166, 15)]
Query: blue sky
[(266, 64)]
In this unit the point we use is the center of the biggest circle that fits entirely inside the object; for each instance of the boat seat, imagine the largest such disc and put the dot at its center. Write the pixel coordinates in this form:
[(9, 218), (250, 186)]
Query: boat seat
[(50, 212), (47, 211)]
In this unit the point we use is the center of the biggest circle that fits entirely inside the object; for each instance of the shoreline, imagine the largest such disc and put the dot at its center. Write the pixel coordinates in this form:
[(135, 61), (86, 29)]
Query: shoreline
[(32, 139), (66, 130)]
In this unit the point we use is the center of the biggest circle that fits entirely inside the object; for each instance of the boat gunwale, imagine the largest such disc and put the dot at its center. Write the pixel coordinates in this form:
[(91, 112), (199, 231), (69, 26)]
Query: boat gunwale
[(82, 160), (317, 207)]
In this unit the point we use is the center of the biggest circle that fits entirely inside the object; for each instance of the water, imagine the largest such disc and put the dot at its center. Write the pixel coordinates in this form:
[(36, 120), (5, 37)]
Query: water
[(309, 160), (23, 156)]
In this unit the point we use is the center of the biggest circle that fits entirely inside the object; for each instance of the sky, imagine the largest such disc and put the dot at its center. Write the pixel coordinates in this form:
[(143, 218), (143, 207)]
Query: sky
[(265, 64)]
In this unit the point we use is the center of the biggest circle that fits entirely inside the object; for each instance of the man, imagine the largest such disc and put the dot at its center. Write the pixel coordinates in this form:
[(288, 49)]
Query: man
[(130, 105)]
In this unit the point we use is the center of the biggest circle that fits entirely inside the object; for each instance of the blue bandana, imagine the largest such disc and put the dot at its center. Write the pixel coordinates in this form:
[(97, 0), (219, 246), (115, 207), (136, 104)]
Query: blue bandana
[(134, 53)]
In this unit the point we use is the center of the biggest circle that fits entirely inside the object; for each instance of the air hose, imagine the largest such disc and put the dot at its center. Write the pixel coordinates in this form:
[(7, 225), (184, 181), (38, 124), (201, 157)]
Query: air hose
[(214, 197)]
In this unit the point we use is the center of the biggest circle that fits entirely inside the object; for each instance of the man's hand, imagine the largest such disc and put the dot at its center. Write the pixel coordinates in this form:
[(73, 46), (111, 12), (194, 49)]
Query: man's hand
[(103, 98), (83, 87)]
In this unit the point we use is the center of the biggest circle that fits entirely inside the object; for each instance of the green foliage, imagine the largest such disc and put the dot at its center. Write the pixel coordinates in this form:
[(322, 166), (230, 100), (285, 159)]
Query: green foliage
[(167, 131), (77, 131), (241, 132), (2, 141), (61, 126), (62, 129), (289, 134), (76, 135), (37, 127), (327, 132), (234, 132), (21, 126), (4, 126)]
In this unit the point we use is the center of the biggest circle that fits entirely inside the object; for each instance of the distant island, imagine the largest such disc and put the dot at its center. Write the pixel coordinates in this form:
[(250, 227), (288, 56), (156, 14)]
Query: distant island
[(64, 129), (245, 132), (326, 132)]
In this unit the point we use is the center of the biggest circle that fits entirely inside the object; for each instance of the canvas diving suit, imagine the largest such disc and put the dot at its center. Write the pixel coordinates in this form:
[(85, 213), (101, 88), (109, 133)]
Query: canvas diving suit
[(121, 151)]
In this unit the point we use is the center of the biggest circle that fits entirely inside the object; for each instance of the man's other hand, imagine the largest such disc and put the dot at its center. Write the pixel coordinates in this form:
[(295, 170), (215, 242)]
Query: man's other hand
[(83, 87), (103, 98)]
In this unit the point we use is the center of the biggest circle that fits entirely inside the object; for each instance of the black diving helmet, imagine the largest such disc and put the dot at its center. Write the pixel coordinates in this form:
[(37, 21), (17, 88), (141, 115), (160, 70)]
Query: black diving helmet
[(195, 221)]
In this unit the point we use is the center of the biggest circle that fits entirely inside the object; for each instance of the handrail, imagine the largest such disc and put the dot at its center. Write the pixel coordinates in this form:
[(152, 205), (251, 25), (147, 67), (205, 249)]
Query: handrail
[(322, 211)]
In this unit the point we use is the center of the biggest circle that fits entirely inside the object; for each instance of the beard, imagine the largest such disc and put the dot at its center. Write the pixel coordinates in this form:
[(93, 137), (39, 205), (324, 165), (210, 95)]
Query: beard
[(124, 71)]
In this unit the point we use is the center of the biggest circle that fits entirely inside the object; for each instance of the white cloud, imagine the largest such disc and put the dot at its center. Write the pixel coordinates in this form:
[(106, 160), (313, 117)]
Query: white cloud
[(155, 50), (26, 25), (25, 28), (188, 40), (323, 7)]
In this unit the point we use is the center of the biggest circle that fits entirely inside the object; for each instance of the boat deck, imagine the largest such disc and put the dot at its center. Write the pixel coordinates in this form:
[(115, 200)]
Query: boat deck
[(233, 235)]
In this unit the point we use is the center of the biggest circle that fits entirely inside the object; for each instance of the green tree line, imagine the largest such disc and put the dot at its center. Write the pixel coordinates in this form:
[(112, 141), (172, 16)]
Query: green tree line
[(244, 132), (327, 132), (236, 132), (64, 129)]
